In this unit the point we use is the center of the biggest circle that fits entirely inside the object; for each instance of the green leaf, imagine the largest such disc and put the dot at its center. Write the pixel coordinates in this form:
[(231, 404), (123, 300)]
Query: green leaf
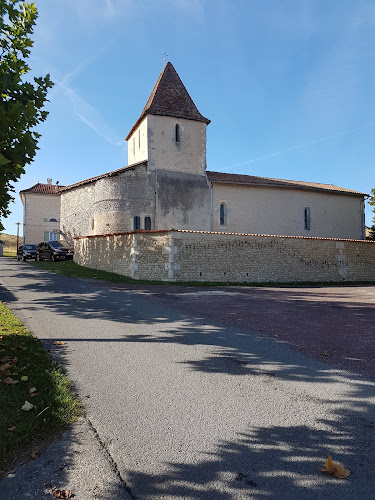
[(21, 102)]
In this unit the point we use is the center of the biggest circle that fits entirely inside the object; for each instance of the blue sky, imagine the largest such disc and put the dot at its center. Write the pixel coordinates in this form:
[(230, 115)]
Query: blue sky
[(289, 85)]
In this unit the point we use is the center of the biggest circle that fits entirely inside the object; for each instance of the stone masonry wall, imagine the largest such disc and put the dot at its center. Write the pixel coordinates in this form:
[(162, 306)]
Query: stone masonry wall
[(221, 257)]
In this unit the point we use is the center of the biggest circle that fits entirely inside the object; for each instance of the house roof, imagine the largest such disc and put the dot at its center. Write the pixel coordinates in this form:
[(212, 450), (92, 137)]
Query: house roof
[(170, 98), (224, 178), (40, 188), (102, 176)]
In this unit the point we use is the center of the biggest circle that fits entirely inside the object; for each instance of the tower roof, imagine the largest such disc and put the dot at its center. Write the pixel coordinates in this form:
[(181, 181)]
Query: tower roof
[(170, 98)]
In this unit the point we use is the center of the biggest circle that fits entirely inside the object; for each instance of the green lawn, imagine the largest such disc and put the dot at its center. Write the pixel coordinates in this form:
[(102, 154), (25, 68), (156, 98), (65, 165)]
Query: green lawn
[(28, 373), (70, 268)]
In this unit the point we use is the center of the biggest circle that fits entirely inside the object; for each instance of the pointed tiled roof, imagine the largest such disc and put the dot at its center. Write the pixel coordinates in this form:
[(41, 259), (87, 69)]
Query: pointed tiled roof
[(170, 98), (40, 188), (253, 180)]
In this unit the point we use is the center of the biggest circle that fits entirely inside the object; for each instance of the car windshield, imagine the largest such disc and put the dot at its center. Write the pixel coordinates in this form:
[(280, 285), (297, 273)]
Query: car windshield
[(55, 244), (29, 247)]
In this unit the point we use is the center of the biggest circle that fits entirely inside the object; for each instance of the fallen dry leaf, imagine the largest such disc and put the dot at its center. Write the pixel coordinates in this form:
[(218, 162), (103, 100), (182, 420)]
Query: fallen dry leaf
[(5, 367), (59, 342), (11, 429), (324, 353), (27, 406), (33, 455), (10, 381), (34, 394), (15, 359), (33, 389), (335, 469), (62, 494), (25, 378)]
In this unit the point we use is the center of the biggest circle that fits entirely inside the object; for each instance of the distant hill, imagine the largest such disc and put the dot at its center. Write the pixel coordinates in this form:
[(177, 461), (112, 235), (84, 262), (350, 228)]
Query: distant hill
[(10, 242)]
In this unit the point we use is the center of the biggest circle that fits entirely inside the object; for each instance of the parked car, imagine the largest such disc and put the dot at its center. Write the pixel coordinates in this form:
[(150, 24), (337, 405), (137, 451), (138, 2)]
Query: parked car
[(25, 252), (53, 250)]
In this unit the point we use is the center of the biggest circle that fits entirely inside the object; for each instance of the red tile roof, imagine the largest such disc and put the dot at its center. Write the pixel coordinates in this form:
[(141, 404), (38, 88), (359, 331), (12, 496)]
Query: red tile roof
[(252, 180), (40, 188), (170, 98)]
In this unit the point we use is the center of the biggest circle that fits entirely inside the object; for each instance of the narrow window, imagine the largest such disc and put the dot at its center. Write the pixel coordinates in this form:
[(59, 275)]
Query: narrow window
[(307, 218), (223, 214), (133, 145), (177, 132), (139, 139), (137, 222), (148, 223)]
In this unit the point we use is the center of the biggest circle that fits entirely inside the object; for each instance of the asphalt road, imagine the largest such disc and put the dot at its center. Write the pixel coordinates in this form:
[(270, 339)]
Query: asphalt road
[(191, 407)]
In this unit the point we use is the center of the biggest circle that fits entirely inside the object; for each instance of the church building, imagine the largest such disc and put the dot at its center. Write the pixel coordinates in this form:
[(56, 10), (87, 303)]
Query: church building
[(166, 185)]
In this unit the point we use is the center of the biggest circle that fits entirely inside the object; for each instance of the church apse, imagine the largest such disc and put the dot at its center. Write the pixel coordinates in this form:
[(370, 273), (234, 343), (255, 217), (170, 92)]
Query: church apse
[(119, 199)]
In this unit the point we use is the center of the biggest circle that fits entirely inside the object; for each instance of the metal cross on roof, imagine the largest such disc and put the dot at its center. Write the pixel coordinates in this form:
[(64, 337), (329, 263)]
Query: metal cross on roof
[(165, 56)]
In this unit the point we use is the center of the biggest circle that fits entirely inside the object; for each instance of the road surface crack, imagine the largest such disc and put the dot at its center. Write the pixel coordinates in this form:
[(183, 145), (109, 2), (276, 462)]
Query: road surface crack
[(110, 459)]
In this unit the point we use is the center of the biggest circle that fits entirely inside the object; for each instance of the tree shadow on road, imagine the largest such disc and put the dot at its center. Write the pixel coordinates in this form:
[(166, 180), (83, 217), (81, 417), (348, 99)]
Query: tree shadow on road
[(269, 460)]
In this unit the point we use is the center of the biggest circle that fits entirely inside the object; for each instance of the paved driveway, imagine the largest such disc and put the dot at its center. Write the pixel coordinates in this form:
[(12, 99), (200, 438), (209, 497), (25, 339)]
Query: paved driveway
[(335, 325), (189, 397)]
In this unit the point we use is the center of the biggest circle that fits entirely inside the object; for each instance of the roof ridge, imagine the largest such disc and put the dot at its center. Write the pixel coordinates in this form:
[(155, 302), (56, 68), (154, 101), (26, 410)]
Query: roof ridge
[(252, 179), (102, 176), (43, 188)]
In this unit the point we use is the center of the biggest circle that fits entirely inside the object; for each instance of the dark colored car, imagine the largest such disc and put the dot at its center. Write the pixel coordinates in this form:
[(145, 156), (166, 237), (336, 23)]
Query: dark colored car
[(25, 252), (53, 250)]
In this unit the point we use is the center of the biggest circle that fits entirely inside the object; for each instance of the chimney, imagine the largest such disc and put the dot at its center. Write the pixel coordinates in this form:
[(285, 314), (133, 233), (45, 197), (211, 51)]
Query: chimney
[(49, 181)]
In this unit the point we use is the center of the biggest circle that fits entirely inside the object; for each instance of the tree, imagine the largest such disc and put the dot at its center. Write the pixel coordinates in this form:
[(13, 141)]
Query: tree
[(371, 202), (21, 102)]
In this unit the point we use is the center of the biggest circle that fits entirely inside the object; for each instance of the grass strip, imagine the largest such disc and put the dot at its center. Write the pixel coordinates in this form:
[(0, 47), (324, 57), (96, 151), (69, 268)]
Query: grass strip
[(71, 269), (28, 373)]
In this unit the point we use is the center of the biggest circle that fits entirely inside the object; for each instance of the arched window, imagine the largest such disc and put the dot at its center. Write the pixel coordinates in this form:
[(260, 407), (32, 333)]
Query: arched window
[(223, 214), (148, 223), (177, 133), (307, 218), (137, 223), (52, 220)]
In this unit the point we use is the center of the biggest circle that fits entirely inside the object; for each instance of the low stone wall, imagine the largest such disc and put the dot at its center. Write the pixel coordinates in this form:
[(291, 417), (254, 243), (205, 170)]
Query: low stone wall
[(222, 257)]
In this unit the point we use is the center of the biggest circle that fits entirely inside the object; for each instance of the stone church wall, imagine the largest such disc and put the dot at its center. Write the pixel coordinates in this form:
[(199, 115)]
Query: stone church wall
[(183, 201), (109, 204), (77, 211), (221, 257)]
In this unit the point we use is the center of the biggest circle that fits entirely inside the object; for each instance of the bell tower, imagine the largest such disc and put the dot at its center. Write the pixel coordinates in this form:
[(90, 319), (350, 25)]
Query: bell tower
[(170, 135)]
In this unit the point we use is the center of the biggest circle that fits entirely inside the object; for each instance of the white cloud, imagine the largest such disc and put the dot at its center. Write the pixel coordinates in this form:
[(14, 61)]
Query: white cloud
[(110, 8), (191, 7), (87, 113)]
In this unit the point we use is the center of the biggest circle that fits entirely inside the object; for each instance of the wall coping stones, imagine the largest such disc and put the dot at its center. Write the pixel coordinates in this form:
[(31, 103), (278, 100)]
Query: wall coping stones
[(164, 231)]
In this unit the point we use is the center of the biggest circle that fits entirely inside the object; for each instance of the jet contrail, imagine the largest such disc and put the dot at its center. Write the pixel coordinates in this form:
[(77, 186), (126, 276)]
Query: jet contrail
[(301, 146)]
